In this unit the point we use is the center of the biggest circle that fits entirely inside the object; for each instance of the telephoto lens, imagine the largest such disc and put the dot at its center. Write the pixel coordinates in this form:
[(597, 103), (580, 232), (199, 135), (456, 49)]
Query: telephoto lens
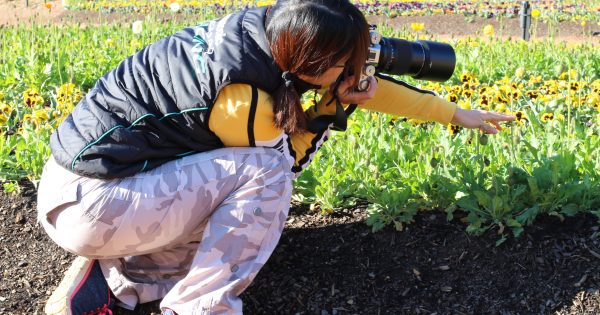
[(423, 59)]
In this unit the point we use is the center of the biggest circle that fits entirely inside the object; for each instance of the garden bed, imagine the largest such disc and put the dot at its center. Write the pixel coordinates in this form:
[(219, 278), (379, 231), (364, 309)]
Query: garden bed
[(335, 265)]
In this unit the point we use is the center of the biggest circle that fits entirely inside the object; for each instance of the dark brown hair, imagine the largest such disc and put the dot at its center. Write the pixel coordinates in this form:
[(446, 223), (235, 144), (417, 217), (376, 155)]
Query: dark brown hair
[(307, 37)]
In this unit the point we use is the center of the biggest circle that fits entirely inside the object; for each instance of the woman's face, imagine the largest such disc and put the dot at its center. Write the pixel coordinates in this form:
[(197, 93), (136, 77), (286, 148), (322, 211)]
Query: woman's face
[(327, 78)]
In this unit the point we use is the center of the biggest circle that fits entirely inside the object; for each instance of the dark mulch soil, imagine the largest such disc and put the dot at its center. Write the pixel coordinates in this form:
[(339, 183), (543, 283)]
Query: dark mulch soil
[(336, 265)]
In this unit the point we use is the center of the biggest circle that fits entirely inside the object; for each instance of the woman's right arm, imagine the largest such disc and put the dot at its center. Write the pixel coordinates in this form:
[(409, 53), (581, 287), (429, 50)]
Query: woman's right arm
[(242, 116)]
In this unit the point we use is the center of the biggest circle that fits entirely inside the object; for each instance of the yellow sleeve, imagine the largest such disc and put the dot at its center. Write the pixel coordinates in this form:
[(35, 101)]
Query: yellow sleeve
[(401, 99), (242, 115)]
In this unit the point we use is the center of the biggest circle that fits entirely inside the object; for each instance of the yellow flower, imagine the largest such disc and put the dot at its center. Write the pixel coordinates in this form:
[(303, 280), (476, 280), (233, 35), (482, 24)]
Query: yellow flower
[(464, 104), (3, 119), (501, 99), (454, 129), (515, 94), (417, 26), (574, 86), (535, 13), (40, 115), (66, 96), (136, 44), (520, 72), (484, 101), (500, 107), (546, 117), (568, 75), (466, 77), (32, 97), (535, 79), (109, 42), (468, 93), (27, 118), (533, 94), (452, 98), (488, 30), (1, 96), (583, 23), (521, 117), (594, 100), (5, 109), (263, 3), (416, 122)]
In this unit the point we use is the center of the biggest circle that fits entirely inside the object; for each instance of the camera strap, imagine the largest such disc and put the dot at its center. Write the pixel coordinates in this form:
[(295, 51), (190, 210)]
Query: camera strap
[(339, 120)]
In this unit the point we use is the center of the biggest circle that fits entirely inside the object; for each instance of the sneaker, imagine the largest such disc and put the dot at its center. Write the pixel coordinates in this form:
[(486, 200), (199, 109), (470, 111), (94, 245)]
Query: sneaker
[(82, 291)]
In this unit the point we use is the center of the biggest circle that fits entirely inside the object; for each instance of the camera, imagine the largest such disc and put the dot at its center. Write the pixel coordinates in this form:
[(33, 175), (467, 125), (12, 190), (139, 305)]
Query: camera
[(422, 59)]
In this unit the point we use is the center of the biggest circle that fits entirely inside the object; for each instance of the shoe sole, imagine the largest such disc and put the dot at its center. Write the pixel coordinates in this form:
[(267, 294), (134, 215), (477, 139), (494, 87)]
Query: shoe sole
[(59, 302)]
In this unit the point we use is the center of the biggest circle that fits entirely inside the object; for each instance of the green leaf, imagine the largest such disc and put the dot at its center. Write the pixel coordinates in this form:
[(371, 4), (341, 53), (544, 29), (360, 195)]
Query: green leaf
[(468, 203), (570, 209), (533, 186), (500, 241), (482, 198), (518, 190), (497, 204), (516, 227), (527, 217), (534, 151)]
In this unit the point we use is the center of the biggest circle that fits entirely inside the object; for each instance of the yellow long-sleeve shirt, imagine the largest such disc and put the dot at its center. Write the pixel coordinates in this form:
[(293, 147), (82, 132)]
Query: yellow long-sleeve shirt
[(243, 116)]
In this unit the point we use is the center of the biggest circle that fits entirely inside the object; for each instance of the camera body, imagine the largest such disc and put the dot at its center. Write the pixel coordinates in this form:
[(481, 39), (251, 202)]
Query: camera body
[(423, 59)]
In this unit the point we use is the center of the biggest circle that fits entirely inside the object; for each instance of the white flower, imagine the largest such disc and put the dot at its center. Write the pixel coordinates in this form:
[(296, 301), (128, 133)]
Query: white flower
[(48, 69), (175, 7), (136, 27)]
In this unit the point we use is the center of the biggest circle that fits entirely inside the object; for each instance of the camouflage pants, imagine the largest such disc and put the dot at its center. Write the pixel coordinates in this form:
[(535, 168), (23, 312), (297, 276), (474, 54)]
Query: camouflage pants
[(194, 231)]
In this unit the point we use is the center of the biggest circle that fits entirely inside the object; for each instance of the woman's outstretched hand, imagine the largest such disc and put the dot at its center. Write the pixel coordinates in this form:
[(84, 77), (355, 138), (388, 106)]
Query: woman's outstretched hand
[(487, 122)]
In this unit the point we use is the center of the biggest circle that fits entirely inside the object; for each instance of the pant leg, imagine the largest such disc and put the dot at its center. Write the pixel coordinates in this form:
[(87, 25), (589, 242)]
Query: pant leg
[(148, 277), (147, 214), (240, 236)]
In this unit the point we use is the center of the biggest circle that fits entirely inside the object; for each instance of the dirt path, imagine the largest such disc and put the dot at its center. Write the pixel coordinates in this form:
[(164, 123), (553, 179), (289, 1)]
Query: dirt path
[(443, 27)]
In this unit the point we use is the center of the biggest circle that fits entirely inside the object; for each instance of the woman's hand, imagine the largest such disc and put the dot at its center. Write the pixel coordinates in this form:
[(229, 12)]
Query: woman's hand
[(487, 122), (347, 93)]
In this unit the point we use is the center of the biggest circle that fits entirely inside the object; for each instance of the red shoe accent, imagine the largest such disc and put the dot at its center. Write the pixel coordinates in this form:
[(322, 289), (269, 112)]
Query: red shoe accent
[(101, 311)]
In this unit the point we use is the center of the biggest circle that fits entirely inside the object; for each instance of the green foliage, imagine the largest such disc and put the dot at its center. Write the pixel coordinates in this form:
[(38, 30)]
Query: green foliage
[(501, 182)]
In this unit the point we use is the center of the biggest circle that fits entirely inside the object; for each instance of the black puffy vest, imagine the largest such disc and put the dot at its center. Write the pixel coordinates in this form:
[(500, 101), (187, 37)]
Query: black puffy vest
[(154, 107)]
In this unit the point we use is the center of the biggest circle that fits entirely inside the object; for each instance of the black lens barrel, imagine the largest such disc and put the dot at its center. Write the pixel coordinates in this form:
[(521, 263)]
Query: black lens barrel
[(427, 60)]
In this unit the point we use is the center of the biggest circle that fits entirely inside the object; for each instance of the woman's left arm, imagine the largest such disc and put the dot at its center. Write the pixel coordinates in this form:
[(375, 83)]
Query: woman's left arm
[(394, 97)]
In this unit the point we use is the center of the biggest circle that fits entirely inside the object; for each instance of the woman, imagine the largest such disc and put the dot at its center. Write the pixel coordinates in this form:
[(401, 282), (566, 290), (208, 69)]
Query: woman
[(173, 176)]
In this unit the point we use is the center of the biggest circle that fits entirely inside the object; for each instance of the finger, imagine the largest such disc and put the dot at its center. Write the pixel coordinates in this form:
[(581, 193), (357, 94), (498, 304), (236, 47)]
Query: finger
[(493, 116), (355, 97), (347, 83), (496, 124), (364, 96), (373, 85), (487, 128)]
